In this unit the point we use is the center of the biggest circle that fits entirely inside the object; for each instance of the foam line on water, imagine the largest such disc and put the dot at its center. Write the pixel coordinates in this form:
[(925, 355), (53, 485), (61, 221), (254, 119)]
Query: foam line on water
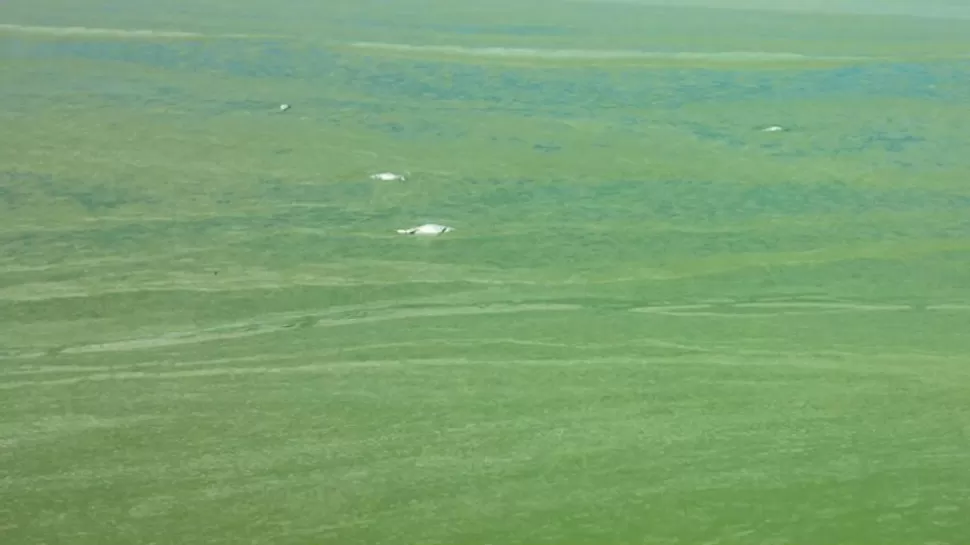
[(111, 32), (602, 54)]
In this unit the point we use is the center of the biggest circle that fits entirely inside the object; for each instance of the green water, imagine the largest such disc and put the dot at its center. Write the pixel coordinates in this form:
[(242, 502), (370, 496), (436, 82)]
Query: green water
[(653, 323)]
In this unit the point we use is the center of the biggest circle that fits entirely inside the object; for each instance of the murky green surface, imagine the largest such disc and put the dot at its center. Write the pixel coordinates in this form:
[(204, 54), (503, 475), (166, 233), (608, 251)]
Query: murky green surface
[(653, 323)]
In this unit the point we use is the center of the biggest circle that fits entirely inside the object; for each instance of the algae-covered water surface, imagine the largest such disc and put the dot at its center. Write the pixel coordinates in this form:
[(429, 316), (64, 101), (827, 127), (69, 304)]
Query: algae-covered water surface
[(654, 321)]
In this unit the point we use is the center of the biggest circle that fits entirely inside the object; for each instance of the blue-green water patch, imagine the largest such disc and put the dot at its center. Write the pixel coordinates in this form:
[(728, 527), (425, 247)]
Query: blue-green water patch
[(246, 58), (540, 88)]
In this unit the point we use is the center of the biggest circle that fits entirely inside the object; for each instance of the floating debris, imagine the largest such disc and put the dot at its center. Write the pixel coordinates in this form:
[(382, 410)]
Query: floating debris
[(773, 128), (432, 229), (284, 107), (388, 177)]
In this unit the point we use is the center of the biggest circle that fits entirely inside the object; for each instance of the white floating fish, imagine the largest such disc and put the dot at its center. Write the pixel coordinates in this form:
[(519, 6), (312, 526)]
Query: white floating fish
[(432, 229), (773, 128), (388, 177)]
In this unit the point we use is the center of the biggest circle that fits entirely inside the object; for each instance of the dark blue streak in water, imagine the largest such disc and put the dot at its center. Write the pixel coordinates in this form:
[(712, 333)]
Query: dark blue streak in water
[(538, 89), (545, 90)]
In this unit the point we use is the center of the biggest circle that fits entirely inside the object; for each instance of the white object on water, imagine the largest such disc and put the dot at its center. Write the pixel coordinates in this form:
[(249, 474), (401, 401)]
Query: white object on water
[(773, 128), (426, 229), (284, 107), (388, 177)]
